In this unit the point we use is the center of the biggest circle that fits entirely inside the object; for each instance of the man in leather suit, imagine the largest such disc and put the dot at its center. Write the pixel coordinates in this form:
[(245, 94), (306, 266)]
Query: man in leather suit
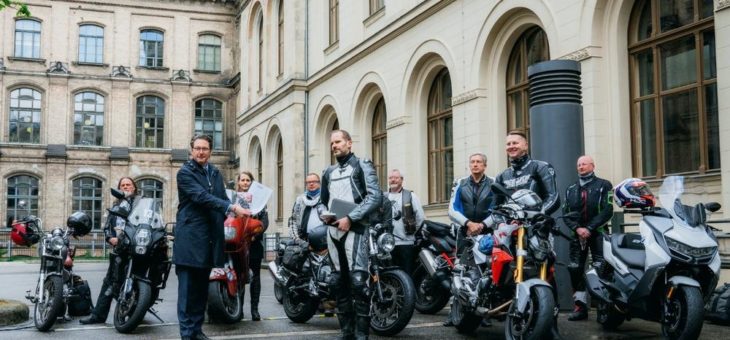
[(354, 180), (590, 196)]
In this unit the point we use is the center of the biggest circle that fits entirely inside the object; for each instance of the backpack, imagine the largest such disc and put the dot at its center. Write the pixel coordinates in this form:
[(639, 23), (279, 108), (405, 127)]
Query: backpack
[(79, 303), (717, 308)]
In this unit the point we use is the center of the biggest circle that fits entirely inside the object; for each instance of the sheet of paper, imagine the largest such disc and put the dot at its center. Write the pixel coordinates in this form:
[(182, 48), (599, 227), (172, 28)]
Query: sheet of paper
[(260, 195)]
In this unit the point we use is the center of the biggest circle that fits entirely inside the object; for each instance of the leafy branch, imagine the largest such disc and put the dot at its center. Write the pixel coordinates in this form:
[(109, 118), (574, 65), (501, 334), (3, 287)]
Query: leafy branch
[(22, 9)]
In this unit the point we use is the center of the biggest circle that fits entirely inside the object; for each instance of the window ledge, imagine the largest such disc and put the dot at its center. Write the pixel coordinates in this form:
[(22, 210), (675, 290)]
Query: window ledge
[(374, 17), (32, 60), (206, 71), (83, 63), (332, 47), (149, 150), (436, 206), (690, 176), (152, 68)]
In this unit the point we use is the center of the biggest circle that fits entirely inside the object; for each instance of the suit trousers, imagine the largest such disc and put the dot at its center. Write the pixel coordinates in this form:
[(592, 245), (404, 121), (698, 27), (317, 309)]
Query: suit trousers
[(192, 298)]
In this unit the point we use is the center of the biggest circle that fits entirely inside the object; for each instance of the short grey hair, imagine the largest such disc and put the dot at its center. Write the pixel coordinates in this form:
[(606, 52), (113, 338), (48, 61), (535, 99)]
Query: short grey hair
[(396, 170), (481, 155)]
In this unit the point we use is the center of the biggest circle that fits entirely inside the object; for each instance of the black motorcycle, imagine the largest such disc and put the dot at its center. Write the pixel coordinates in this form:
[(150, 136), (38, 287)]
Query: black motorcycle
[(306, 270), (432, 274), (144, 264), (278, 288), (58, 289)]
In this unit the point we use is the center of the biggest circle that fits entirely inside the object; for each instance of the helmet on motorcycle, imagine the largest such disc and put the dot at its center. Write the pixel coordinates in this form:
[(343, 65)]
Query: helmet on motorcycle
[(80, 223), (24, 235), (527, 198), (318, 238), (633, 193)]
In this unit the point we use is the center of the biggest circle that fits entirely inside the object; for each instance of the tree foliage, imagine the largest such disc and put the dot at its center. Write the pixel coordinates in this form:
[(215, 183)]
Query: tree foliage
[(21, 8)]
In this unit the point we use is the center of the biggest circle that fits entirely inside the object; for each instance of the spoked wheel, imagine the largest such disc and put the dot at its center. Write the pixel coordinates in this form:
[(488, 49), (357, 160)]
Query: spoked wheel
[(390, 315), (536, 321), (222, 306), (50, 304), (683, 314), (132, 307)]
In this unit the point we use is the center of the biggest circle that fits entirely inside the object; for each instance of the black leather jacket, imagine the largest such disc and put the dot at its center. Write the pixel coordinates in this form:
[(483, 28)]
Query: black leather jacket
[(592, 201), (538, 176), (470, 201), (111, 220)]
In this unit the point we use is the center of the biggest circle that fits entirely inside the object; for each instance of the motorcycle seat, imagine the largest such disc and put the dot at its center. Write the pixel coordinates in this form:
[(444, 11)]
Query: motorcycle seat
[(629, 248)]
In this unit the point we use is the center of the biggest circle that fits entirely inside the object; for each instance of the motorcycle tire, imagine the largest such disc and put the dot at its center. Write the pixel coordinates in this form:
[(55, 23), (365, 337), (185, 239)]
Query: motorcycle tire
[(128, 314), (464, 321), (44, 316), (608, 316), (428, 300), (222, 307), (688, 311), (278, 293), (299, 308), (539, 316), (397, 288)]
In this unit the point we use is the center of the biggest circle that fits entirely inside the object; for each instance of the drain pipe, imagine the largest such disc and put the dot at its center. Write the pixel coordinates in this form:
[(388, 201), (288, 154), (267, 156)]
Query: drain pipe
[(306, 91)]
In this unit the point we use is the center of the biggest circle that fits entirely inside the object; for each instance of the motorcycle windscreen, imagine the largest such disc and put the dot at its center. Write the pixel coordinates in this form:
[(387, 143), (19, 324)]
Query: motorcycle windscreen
[(146, 212)]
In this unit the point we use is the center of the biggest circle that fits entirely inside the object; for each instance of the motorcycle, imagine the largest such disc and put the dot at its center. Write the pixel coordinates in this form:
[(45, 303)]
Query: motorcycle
[(278, 288), (666, 273), (226, 285), (142, 251), (306, 274), (513, 284), (432, 273), (58, 290)]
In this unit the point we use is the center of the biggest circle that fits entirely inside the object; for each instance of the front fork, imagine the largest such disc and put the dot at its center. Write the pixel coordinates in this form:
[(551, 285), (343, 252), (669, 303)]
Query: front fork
[(373, 247), (521, 252)]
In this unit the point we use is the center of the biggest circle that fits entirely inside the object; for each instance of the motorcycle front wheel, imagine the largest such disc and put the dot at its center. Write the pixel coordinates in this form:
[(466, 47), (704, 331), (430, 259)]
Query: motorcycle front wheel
[(537, 319), (131, 308), (223, 307), (390, 315), (45, 314), (608, 316), (464, 321), (683, 314), (430, 298), (298, 306)]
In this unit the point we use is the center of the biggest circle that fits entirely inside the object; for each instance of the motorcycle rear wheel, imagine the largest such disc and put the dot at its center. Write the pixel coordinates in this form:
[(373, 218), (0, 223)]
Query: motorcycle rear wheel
[(279, 292), (428, 301), (538, 317), (390, 316), (128, 313), (44, 315), (222, 307), (299, 308)]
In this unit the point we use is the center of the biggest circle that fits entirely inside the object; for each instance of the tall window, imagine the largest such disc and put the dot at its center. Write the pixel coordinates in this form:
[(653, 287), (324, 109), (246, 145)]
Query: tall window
[(22, 188), (531, 48), (209, 120), (86, 197), (150, 48), (27, 38), (334, 17), (281, 36), (261, 51), (25, 116), (259, 165), (279, 181), (376, 5), (151, 188), (209, 52), (380, 143), (150, 122), (440, 139), (88, 119), (674, 105), (91, 44), (335, 126)]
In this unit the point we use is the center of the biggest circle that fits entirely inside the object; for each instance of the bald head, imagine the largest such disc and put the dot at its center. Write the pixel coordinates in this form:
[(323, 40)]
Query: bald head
[(585, 165)]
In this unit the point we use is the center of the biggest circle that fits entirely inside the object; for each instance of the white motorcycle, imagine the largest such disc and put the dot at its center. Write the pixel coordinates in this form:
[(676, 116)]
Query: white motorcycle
[(665, 273)]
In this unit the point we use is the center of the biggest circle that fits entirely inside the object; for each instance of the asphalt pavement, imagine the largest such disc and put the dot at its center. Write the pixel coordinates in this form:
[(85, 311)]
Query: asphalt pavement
[(17, 278)]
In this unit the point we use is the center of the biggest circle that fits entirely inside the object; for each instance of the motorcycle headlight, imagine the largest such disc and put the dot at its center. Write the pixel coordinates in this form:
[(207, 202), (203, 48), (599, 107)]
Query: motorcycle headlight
[(689, 250), (57, 243), (386, 242), (141, 239)]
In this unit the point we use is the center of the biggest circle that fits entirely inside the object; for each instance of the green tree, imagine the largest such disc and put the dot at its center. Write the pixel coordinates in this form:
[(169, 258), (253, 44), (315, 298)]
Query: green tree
[(22, 9)]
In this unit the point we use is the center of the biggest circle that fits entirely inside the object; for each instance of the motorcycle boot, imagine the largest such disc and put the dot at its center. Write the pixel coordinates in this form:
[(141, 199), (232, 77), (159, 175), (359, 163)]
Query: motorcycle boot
[(361, 295), (580, 312), (346, 317), (255, 294)]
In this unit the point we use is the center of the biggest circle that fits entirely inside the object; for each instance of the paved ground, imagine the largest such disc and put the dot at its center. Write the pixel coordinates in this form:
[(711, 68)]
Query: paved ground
[(16, 278)]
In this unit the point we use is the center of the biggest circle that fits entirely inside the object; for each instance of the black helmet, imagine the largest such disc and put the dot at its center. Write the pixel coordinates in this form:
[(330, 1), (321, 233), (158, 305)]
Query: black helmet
[(80, 223), (318, 238)]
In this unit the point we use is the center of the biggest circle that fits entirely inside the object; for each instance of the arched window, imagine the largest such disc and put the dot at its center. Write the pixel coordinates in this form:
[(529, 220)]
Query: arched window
[(281, 37), (440, 139), (22, 188), (91, 44), (27, 39), (530, 48), (674, 106), (86, 196), (25, 116), (259, 165), (152, 188), (380, 143), (334, 21), (279, 181), (209, 120), (209, 52), (150, 122), (335, 126), (88, 119), (151, 43), (261, 51)]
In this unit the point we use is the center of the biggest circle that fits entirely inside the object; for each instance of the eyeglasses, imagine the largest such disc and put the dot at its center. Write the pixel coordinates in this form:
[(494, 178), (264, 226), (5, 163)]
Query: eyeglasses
[(201, 149), (311, 182)]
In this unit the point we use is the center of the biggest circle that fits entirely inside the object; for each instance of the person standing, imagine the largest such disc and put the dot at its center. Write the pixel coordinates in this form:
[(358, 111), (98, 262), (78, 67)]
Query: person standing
[(353, 180), (256, 251), (199, 240), (110, 285), (307, 208), (408, 216), (590, 197)]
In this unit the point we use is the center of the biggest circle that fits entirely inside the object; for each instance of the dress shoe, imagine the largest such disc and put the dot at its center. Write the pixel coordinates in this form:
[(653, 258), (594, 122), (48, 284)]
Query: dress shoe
[(201, 336), (448, 323), (91, 320)]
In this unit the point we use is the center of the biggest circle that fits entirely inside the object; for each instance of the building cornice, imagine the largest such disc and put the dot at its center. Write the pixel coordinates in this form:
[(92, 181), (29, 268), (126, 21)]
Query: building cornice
[(282, 91), (229, 5), (722, 4), (43, 74), (583, 54)]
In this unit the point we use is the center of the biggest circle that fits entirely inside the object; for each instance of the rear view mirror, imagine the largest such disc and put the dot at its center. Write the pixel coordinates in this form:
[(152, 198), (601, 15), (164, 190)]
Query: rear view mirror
[(713, 206), (500, 190), (117, 193)]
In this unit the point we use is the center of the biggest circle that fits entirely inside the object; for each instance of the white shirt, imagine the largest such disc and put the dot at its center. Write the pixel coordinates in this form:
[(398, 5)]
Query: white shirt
[(399, 231)]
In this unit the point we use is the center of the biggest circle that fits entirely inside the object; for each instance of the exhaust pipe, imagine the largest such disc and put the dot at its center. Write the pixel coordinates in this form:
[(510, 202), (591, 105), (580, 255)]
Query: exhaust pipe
[(274, 270), (428, 261)]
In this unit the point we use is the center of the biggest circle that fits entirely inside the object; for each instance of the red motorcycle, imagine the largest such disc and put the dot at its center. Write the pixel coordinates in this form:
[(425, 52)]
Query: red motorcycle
[(226, 285)]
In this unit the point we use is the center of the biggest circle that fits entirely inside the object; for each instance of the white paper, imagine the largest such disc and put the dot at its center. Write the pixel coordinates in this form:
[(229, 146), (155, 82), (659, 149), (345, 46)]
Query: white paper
[(260, 195)]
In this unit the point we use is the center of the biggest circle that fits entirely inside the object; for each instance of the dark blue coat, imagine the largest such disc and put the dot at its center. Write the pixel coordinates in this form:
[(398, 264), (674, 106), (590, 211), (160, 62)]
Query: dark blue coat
[(201, 211)]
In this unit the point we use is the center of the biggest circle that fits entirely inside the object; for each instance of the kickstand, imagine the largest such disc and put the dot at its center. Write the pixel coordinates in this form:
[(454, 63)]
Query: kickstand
[(154, 312)]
